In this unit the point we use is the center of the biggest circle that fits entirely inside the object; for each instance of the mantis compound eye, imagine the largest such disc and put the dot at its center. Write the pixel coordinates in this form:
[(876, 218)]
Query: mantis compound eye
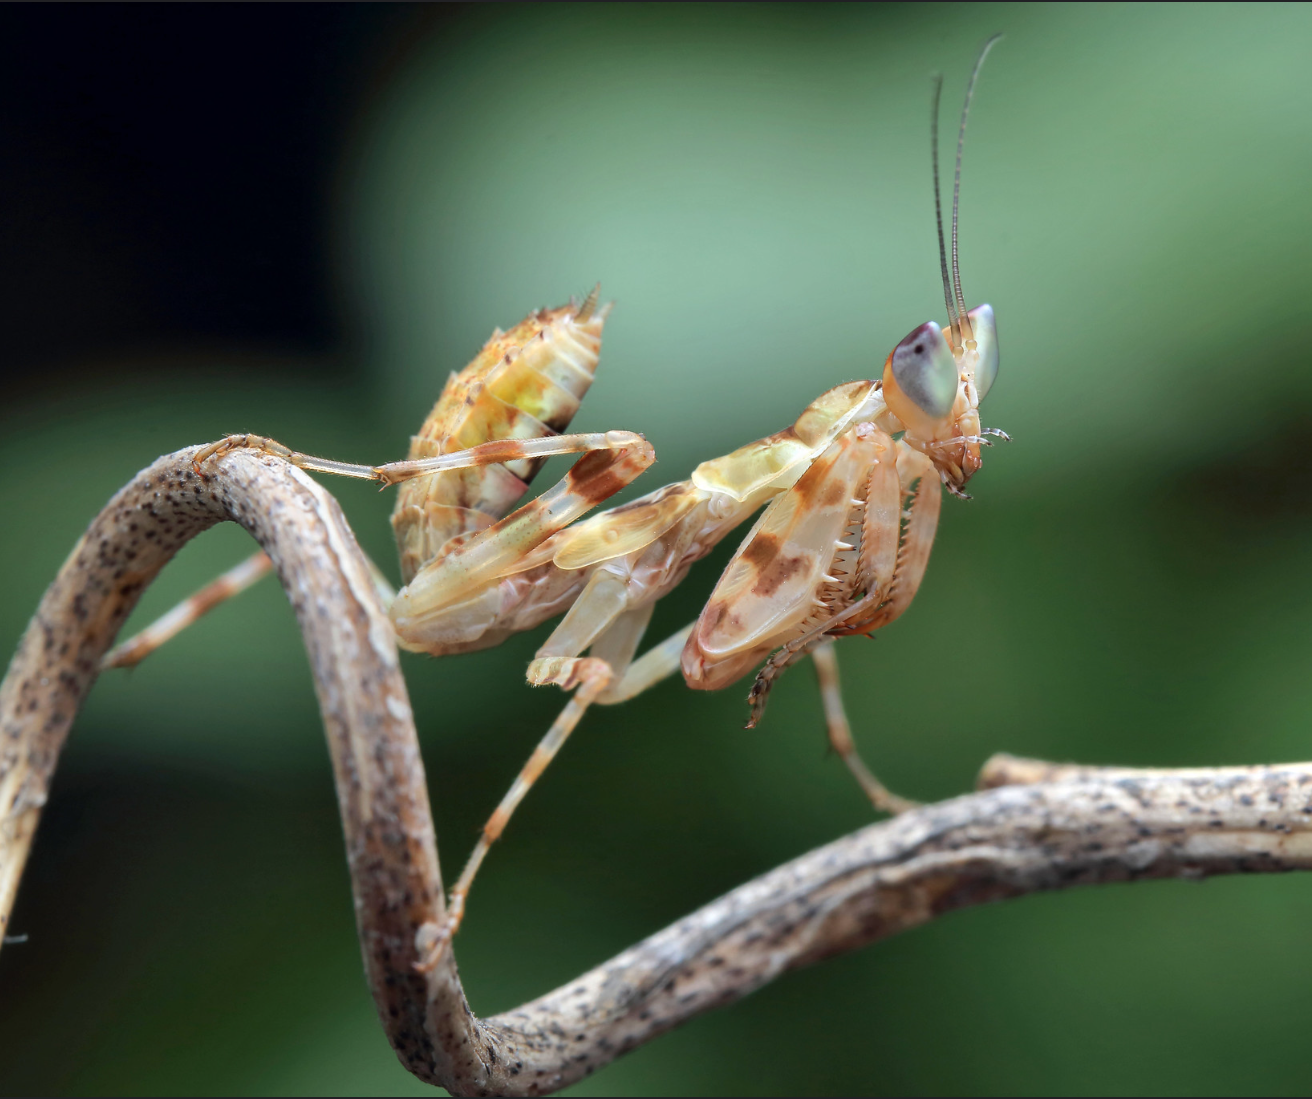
[(925, 371), (985, 330)]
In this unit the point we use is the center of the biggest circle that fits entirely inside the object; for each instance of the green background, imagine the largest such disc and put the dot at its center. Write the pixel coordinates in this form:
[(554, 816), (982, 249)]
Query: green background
[(751, 185)]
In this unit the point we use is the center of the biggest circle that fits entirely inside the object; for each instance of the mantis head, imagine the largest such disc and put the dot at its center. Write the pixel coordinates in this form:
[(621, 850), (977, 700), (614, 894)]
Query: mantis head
[(934, 380), (934, 385)]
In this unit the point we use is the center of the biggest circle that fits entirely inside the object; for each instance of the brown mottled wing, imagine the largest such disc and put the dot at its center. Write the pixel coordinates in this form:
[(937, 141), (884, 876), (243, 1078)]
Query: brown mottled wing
[(770, 585), (524, 384)]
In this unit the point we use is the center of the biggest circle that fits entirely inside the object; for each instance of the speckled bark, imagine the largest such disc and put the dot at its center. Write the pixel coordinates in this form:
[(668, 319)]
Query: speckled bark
[(366, 712), (1036, 826)]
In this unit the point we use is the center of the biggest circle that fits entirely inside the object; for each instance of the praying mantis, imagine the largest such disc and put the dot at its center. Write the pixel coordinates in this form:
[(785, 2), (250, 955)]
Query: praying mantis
[(850, 494)]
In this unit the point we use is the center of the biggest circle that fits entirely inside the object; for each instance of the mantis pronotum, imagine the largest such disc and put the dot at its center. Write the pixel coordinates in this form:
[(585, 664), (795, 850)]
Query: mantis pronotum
[(852, 503)]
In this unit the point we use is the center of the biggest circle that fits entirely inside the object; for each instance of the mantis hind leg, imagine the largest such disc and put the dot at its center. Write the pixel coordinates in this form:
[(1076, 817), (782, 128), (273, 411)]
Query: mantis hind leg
[(391, 473), (600, 620), (617, 457), (608, 676), (840, 734), (232, 583), (590, 676)]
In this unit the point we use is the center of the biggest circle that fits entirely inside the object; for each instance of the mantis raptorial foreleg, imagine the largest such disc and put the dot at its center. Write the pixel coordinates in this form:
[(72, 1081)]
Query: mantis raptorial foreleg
[(897, 536)]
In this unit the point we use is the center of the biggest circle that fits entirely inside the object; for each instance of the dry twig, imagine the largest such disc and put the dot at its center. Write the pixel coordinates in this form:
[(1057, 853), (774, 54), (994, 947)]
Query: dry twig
[(1035, 826)]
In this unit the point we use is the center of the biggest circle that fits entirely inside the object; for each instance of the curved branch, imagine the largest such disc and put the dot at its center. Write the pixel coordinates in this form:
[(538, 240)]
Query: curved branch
[(1035, 826), (381, 789)]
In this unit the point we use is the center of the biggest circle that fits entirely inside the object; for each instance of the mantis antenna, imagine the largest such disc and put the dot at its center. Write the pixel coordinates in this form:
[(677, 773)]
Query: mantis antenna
[(956, 182), (938, 216)]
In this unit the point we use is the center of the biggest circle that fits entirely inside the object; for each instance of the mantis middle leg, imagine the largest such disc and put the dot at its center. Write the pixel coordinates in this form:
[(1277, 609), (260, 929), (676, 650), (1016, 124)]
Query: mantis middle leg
[(840, 733)]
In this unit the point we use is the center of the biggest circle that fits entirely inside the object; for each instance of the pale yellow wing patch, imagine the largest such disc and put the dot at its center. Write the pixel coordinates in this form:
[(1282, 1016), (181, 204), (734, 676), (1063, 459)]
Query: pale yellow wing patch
[(621, 530), (489, 417), (831, 413), (778, 460), (754, 466)]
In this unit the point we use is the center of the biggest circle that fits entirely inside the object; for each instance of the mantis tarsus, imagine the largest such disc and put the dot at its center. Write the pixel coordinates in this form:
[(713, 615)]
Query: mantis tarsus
[(851, 495)]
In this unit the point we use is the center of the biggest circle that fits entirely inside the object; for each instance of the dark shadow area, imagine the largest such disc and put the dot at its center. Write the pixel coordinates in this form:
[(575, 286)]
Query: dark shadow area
[(166, 174)]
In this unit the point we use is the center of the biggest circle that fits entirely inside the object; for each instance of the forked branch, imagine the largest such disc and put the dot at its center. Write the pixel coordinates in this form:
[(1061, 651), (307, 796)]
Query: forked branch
[(1034, 827)]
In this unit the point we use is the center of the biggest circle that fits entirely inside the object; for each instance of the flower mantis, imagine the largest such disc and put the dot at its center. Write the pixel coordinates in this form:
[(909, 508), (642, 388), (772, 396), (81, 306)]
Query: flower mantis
[(850, 497)]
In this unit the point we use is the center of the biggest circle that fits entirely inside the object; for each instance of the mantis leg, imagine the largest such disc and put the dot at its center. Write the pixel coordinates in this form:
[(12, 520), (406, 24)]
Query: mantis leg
[(891, 580), (599, 618), (391, 473), (426, 611), (597, 681), (620, 456), (233, 582), (590, 676), (656, 664), (840, 733)]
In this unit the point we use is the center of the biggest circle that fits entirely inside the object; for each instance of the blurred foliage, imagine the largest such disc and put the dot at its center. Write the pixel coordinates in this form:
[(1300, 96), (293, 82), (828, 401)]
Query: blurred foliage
[(752, 187)]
